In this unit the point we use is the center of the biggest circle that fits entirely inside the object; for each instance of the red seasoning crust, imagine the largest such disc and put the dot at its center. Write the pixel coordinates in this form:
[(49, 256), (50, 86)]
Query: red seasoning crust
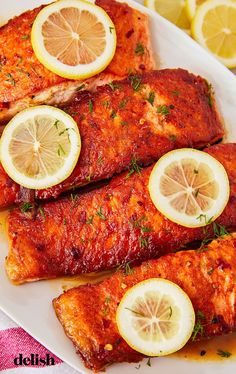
[(118, 124), (102, 229), (24, 81), (87, 313)]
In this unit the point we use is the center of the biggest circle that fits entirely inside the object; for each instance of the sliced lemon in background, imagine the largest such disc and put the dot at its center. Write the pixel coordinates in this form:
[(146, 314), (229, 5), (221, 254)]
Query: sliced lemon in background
[(189, 187), (74, 38), (214, 27), (155, 317), (191, 7), (173, 10), (40, 147)]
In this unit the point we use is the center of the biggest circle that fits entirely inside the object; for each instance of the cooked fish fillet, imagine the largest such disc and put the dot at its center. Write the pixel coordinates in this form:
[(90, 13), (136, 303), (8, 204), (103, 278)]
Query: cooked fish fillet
[(25, 82), (102, 229), (209, 279), (121, 122)]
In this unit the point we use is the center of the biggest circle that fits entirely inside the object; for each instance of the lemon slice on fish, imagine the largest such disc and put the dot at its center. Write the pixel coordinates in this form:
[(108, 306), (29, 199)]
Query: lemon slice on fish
[(40, 147), (74, 38), (189, 187), (155, 317), (214, 27), (173, 10)]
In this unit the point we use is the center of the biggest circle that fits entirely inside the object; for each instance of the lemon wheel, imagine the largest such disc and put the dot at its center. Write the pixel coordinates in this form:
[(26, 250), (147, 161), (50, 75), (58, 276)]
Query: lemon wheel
[(74, 38), (40, 147), (191, 7), (214, 27), (155, 317), (173, 10), (189, 187)]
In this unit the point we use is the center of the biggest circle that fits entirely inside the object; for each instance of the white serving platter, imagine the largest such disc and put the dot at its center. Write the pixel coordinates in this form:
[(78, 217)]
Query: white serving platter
[(30, 305)]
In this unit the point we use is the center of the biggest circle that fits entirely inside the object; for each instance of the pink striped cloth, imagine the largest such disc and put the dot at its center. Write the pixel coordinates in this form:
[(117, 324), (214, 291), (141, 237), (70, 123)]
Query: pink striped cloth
[(15, 341)]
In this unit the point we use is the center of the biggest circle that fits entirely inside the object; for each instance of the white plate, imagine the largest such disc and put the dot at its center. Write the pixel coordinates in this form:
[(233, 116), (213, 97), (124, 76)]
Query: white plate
[(30, 305)]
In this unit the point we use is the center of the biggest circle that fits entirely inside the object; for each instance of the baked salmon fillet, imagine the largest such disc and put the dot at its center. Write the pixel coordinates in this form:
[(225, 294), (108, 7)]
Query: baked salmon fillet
[(104, 228), (139, 118), (25, 82), (88, 313)]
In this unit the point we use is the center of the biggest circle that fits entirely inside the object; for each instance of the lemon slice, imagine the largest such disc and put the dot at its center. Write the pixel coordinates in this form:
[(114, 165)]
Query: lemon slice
[(214, 27), (173, 10), (189, 187), (191, 7), (155, 317), (40, 147), (74, 38)]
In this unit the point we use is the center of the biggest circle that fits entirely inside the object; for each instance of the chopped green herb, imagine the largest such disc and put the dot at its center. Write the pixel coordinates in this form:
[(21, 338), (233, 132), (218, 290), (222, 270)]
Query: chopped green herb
[(80, 87), (111, 29), (64, 221), (24, 37), (149, 362), (25, 207), (90, 104), (100, 160), (222, 353), (100, 214), (23, 71), (106, 103), (114, 86), (124, 123), (41, 211), (106, 309), (10, 79), (143, 241), (151, 97), (210, 271), (139, 50), (171, 312), (113, 114), (163, 109), (219, 230), (128, 270), (135, 82), (88, 178), (175, 93), (123, 103), (60, 150), (73, 198), (210, 94), (138, 367), (198, 328), (173, 138), (133, 168), (90, 220)]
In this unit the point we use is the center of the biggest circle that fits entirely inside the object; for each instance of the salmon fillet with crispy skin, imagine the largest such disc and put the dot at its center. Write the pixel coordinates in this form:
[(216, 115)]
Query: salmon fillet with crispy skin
[(104, 228), (25, 82), (88, 313), (140, 118)]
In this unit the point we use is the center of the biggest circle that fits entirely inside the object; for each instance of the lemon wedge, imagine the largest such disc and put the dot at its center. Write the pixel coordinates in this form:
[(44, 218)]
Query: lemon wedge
[(155, 317), (191, 7), (74, 38), (40, 147), (189, 187), (173, 10), (214, 27)]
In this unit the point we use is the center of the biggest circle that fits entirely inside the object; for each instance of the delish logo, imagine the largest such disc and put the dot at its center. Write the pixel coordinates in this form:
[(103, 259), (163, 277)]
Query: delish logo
[(34, 360)]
